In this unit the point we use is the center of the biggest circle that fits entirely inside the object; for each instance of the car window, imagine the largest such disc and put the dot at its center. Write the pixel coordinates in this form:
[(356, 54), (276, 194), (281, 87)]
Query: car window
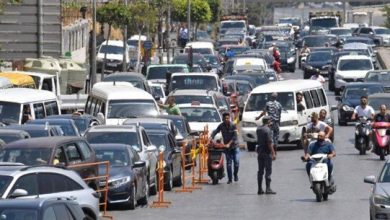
[(308, 100), (15, 214), (4, 183), (59, 156), (72, 153), (316, 100), (322, 97), (27, 182), (55, 183), (49, 214), (61, 211), (39, 111), (85, 150), (51, 108)]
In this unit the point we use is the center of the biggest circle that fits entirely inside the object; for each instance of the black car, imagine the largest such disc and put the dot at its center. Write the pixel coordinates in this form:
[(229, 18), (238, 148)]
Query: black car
[(37, 130), (68, 126), (255, 77), (197, 58), (317, 60), (82, 122), (127, 183), (351, 98), (287, 52), (260, 53), (165, 142), (137, 79), (41, 209), (379, 76)]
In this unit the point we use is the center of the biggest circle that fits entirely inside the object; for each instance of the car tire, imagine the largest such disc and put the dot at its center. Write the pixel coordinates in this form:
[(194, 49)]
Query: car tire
[(178, 180), (131, 203), (154, 188), (169, 183), (251, 146), (144, 200)]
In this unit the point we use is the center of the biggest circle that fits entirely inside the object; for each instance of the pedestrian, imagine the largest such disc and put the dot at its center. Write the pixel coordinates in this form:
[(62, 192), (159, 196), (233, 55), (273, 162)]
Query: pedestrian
[(273, 109), (232, 152), (171, 108), (265, 155), (183, 35)]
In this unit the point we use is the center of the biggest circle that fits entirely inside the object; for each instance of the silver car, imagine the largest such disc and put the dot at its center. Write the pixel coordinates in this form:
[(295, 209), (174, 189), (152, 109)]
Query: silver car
[(19, 181), (379, 198)]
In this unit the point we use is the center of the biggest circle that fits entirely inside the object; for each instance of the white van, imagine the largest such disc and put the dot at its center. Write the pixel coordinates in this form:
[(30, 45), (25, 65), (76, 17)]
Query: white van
[(114, 102), (200, 47), (114, 50), (14, 101), (292, 121), (44, 81)]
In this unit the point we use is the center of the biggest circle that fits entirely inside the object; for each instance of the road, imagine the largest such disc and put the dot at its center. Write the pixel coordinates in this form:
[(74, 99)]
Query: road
[(294, 199)]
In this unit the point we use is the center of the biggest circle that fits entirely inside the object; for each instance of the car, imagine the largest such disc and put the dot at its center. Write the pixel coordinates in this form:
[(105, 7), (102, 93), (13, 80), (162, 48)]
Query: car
[(10, 135), (377, 34), (27, 182), (188, 96), (380, 191), (37, 130), (200, 81), (380, 76), (132, 135), (82, 121), (260, 53), (341, 32), (158, 73), (163, 138), (158, 92), (68, 126), (41, 209), (375, 100), (146, 123), (365, 40), (216, 66), (240, 88), (113, 51), (317, 40), (366, 49), (287, 52), (257, 77), (351, 98), (200, 47), (137, 79), (248, 63), (127, 182), (317, 60), (197, 59), (59, 150)]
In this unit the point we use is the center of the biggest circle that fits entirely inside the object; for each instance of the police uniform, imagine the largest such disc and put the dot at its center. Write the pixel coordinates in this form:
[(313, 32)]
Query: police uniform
[(274, 110)]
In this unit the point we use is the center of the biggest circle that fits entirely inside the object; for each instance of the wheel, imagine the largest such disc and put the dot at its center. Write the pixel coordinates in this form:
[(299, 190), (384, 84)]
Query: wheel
[(317, 191), (153, 189), (169, 184), (363, 148), (130, 204), (382, 153), (251, 146), (215, 177), (144, 200), (178, 180)]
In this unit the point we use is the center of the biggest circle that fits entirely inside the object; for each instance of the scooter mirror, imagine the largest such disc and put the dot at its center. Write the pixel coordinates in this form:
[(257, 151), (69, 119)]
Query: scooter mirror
[(388, 132)]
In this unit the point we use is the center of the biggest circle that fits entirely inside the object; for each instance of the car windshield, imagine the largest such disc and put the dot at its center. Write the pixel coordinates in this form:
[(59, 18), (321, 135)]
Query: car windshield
[(357, 92), (4, 182), (212, 60), (181, 126), (382, 31), (128, 138), (186, 99), (367, 41), (376, 102), (317, 41), (161, 71), (9, 112), (257, 101), (110, 49), (378, 77), (18, 213), (67, 128), (355, 64), (243, 88), (199, 114), (320, 56), (324, 22), (157, 91), (341, 32), (81, 124), (157, 139), (27, 156), (131, 108), (232, 24), (194, 82), (116, 157)]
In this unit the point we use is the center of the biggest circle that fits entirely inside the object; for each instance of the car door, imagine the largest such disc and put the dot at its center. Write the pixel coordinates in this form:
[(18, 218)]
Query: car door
[(26, 182), (149, 156), (303, 116), (175, 156), (88, 156)]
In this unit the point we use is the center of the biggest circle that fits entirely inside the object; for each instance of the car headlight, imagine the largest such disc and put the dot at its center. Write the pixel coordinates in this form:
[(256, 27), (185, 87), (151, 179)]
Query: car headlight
[(347, 108), (289, 123), (290, 60), (248, 124), (381, 200), (114, 183)]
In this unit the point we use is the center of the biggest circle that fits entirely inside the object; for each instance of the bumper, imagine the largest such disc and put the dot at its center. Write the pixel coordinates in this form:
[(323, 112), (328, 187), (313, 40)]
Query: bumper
[(120, 194), (379, 213), (287, 134)]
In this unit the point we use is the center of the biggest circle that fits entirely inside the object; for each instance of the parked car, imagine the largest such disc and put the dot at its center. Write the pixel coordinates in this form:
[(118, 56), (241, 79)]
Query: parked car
[(379, 76), (82, 121), (10, 135), (351, 98), (137, 79), (37, 130), (127, 183), (26, 182), (68, 126), (132, 135), (61, 151)]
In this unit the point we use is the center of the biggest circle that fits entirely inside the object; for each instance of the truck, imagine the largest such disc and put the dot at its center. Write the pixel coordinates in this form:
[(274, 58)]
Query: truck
[(236, 22), (324, 20)]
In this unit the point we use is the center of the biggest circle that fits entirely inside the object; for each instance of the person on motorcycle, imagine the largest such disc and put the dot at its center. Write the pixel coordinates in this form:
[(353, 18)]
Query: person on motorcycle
[(232, 153), (363, 110), (305, 50), (317, 76), (323, 114), (382, 116), (316, 126), (320, 147)]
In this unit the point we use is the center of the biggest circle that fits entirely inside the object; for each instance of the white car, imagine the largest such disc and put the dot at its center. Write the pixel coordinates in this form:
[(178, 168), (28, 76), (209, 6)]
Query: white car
[(158, 91), (113, 50), (351, 68)]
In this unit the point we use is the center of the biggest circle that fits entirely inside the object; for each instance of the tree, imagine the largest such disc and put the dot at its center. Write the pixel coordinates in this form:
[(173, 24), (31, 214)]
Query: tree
[(386, 14), (215, 7), (143, 16)]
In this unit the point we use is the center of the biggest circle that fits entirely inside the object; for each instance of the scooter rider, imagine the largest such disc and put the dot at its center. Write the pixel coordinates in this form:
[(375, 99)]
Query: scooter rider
[(363, 110), (382, 116), (229, 135), (316, 126), (320, 147)]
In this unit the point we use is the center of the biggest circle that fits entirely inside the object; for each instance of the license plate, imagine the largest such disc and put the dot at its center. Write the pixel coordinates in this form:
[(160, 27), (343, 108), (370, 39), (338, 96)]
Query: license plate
[(111, 64)]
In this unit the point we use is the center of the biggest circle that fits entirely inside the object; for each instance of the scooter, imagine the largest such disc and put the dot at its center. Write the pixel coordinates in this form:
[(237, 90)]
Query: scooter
[(215, 161), (381, 138), (302, 59), (362, 135), (319, 177)]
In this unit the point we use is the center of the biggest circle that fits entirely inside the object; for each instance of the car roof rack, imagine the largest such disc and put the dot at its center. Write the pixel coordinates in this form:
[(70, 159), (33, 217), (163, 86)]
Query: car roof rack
[(43, 165)]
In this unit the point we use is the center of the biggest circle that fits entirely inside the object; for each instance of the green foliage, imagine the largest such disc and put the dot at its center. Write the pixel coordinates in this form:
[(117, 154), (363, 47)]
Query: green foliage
[(215, 7), (386, 14), (200, 11), (113, 13), (143, 15)]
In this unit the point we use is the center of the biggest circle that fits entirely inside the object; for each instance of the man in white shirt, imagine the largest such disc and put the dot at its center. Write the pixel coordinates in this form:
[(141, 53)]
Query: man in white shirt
[(317, 76), (363, 110)]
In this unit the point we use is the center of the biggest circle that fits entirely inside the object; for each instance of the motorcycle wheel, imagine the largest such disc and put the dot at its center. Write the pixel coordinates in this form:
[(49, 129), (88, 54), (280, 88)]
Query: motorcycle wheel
[(215, 177), (382, 154), (317, 191), (362, 148)]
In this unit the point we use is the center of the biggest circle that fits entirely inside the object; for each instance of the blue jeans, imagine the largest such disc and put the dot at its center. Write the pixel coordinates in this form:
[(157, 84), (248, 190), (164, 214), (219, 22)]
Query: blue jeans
[(232, 155), (328, 162)]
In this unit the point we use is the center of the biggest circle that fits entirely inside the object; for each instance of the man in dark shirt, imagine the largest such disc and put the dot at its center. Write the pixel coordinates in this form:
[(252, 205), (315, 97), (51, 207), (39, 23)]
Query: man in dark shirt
[(265, 155), (229, 135), (300, 106), (382, 116)]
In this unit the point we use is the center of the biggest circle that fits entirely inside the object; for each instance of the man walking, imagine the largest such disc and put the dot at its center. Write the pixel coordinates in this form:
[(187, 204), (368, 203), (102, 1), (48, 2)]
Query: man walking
[(265, 155), (183, 35)]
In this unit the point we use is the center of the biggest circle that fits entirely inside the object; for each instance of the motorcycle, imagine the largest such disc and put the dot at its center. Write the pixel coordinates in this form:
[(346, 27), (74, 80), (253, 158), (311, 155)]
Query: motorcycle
[(302, 59), (215, 161), (362, 135), (381, 138), (319, 177)]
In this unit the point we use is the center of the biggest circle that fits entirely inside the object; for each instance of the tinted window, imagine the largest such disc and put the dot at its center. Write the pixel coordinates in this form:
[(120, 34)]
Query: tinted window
[(55, 183), (4, 182), (39, 111), (378, 77), (62, 212), (49, 214), (129, 138), (51, 108), (110, 49), (322, 97), (161, 72), (131, 108), (27, 182), (9, 112), (256, 102), (27, 156), (116, 157), (355, 64), (201, 114), (15, 214), (316, 100), (158, 139), (72, 153), (81, 124), (308, 100), (10, 137), (85, 150), (194, 82)]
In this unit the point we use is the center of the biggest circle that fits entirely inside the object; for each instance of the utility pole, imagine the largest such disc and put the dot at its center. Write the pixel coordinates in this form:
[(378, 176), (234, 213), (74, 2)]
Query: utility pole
[(189, 19), (124, 64), (92, 79)]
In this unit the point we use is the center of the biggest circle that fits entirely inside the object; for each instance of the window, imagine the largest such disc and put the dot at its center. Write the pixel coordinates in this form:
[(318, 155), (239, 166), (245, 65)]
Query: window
[(47, 84), (72, 153), (88, 105), (39, 111), (93, 104), (51, 108), (308, 100), (322, 97), (49, 214), (54, 183), (145, 139), (27, 182), (316, 100), (62, 212), (85, 150), (20, 213)]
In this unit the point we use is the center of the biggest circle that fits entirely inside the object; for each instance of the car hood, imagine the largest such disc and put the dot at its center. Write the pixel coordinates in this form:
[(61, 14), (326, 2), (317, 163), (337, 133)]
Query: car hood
[(318, 64), (116, 171), (351, 102), (352, 73)]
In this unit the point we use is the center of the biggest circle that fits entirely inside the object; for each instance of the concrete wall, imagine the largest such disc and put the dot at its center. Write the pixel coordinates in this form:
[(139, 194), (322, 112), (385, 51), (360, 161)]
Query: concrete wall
[(75, 40)]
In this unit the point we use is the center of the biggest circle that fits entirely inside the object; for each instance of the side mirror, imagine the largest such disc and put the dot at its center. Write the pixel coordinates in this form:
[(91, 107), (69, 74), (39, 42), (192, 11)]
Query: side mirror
[(151, 148), (369, 179), (333, 107), (101, 118), (19, 193), (139, 164)]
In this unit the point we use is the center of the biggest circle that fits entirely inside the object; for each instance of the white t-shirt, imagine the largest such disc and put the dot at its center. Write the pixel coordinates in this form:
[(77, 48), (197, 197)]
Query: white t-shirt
[(367, 112), (320, 78), (320, 126)]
